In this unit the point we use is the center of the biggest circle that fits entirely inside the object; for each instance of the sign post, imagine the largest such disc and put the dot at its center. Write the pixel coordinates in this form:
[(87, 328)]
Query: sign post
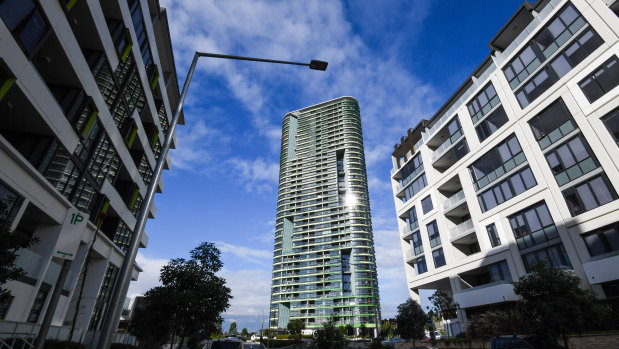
[(66, 248)]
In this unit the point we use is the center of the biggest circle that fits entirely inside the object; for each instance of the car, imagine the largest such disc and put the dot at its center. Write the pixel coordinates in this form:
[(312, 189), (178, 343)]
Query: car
[(231, 343), (510, 342)]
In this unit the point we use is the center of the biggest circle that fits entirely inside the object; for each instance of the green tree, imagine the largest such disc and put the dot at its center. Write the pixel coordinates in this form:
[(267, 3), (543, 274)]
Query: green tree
[(328, 337), (10, 242), (443, 306), (350, 330), (410, 321), (387, 328), (363, 331), (198, 295), (553, 303), (295, 328), (232, 329), (495, 322), (153, 316), (244, 333)]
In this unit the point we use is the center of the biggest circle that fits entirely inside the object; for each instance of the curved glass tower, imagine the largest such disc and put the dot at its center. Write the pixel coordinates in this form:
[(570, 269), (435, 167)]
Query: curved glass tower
[(323, 263)]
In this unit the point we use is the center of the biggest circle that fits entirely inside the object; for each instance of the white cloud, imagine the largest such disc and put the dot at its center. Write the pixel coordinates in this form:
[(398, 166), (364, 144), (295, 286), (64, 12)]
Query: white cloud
[(258, 175), (251, 289), (147, 279), (249, 254)]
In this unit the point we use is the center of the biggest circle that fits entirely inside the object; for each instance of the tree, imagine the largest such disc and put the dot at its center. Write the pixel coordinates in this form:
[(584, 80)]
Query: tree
[(553, 303), (410, 321), (328, 337), (232, 329), (387, 328), (244, 333), (153, 316), (443, 305), (495, 322), (363, 331), (295, 328), (198, 296), (350, 330), (10, 242)]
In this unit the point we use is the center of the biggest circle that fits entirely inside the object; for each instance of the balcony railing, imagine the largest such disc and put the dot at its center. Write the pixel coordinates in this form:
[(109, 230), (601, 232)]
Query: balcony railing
[(453, 200), (461, 228), (410, 228), (447, 144)]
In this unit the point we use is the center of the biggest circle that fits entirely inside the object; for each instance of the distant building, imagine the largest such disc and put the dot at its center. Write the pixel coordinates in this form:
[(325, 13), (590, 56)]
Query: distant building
[(520, 165), (323, 263), (87, 90)]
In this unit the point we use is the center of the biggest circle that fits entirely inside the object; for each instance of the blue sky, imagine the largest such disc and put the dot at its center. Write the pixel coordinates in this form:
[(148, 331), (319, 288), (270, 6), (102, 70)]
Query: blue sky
[(400, 59)]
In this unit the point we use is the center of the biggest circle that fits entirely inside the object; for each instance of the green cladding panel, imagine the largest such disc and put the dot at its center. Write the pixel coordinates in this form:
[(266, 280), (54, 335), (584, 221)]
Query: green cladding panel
[(287, 236), (292, 137)]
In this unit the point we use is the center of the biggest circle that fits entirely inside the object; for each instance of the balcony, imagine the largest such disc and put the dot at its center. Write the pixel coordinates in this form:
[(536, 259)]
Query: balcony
[(461, 230), (497, 292), (454, 201), (409, 229), (602, 269), (447, 145), (411, 255)]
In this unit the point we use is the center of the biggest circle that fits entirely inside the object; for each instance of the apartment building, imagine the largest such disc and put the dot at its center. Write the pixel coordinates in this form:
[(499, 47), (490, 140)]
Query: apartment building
[(521, 164), (323, 263), (87, 90)]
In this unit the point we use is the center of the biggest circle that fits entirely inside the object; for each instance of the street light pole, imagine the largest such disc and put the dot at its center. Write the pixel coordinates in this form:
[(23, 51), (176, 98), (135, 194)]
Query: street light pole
[(114, 307)]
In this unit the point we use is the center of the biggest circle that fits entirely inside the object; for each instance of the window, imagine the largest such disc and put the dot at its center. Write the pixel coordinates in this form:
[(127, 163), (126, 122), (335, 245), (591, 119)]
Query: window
[(499, 272), (433, 234), (555, 256), (580, 49), (603, 240), (490, 124), (420, 265), (602, 80), (439, 258), (588, 195), (416, 243), (5, 305), (533, 225), (552, 124), (26, 22), (37, 307), (612, 124), (553, 36), (411, 169), (493, 235), (426, 204), (571, 160), (411, 220), (483, 103), (412, 190), (497, 162), (508, 188)]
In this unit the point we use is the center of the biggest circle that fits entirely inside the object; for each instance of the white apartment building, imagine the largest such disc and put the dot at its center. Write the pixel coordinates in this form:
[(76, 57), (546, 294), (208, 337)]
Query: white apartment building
[(521, 164), (87, 90)]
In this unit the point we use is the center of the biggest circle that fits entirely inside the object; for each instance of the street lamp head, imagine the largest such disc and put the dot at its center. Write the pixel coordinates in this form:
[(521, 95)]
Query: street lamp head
[(318, 65)]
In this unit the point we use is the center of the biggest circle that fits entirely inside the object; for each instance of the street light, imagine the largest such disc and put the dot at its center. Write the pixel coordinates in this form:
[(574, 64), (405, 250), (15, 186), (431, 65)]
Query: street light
[(124, 275)]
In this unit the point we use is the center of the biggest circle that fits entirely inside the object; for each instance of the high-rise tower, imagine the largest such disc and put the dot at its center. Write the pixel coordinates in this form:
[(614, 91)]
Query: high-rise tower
[(323, 263)]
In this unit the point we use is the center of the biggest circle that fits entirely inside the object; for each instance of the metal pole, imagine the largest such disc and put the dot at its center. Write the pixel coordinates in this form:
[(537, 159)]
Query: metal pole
[(124, 277), (51, 307)]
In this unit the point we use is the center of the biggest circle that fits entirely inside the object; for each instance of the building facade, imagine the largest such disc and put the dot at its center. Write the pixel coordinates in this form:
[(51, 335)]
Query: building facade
[(323, 264), (87, 89), (521, 164)]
